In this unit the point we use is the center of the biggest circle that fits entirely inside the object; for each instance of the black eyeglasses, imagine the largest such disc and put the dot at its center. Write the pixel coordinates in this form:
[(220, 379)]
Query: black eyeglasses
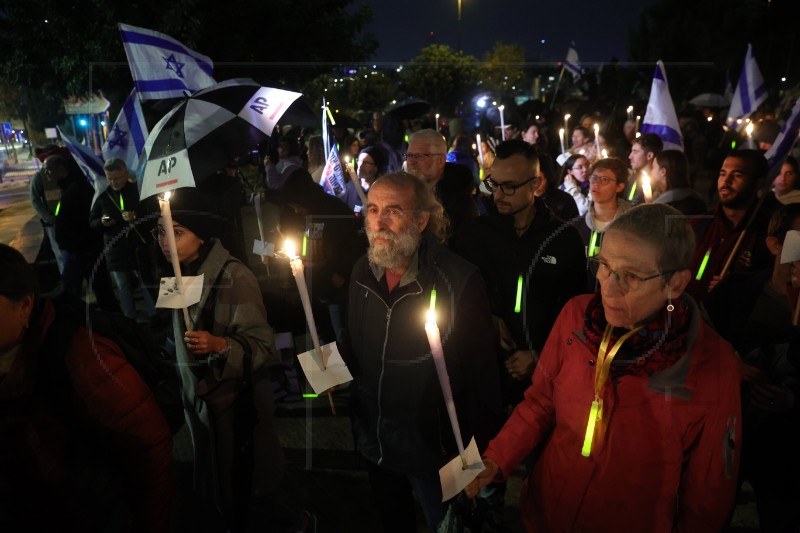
[(628, 281), (602, 180), (416, 157), (506, 188)]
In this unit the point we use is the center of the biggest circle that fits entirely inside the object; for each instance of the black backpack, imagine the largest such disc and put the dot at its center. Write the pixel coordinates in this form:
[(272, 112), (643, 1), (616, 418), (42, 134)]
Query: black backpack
[(152, 363)]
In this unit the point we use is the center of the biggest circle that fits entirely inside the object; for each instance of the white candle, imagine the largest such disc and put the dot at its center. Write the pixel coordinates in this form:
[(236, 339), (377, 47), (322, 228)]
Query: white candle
[(605, 153), (435, 342), (566, 128), (359, 189), (502, 122), (561, 138), (437, 121), (638, 118), (297, 271), (630, 112), (647, 189), (169, 230), (257, 205), (597, 138), (480, 149)]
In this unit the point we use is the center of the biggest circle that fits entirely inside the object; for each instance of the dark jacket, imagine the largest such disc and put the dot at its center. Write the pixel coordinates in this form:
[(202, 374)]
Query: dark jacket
[(549, 257), (562, 204), (399, 416), (72, 222), (687, 201), (119, 239), (454, 191)]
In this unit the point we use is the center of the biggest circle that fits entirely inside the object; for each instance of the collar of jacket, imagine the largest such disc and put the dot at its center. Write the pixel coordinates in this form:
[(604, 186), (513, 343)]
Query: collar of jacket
[(673, 381), (425, 256), (505, 223)]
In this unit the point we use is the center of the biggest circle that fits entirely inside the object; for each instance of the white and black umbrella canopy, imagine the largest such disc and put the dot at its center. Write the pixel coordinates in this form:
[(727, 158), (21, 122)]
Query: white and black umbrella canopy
[(209, 129)]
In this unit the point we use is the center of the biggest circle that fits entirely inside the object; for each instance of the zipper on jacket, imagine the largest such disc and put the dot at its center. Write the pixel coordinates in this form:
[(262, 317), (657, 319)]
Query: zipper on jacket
[(389, 309)]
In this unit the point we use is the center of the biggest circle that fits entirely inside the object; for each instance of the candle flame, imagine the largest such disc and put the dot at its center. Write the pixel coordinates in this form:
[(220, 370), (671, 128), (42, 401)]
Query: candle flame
[(561, 131), (749, 129), (646, 187), (167, 195), (501, 107), (290, 249), (596, 128), (430, 317), (566, 117), (347, 160), (604, 153), (630, 109)]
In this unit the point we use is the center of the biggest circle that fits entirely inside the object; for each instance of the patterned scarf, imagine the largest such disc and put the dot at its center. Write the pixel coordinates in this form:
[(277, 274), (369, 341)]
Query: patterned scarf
[(658, 345)]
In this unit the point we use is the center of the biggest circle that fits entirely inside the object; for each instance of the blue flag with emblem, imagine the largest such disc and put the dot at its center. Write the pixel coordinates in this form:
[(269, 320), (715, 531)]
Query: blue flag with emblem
[(129, 133), (163, 67), (90, 164), (750, 91), (660, 117)]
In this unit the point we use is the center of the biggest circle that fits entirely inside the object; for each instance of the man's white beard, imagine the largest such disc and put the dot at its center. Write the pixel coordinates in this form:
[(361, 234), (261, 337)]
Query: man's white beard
[(397, 251)]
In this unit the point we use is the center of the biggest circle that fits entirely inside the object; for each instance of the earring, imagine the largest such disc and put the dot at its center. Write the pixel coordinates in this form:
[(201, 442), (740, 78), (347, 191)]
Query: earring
[(670, 307)]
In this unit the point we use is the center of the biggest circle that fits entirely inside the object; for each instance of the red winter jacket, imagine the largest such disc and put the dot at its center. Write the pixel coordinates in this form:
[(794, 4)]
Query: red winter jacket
[(669, 458), (112, 410)]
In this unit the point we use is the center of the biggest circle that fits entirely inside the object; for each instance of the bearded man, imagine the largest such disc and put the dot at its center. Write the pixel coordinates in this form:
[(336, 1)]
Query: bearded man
[(400, 420)]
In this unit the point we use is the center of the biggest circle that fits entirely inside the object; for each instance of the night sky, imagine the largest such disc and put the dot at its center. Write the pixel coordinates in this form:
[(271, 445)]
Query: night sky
[(599, 29)]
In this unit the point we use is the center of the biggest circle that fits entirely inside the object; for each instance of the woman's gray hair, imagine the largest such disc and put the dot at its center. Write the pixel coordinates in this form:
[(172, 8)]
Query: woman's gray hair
[(665, 228), (425, 201)]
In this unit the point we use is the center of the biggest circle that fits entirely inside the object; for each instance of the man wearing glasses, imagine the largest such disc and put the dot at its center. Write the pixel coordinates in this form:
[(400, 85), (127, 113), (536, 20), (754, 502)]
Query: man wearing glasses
[(531, 261), (452, 183)]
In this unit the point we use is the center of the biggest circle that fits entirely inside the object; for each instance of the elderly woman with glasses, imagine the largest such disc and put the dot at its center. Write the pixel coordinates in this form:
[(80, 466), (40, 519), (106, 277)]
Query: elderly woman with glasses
[(634, 405)]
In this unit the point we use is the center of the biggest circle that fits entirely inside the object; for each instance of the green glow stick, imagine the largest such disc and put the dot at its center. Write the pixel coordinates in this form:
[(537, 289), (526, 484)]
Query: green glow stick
[(305, 244), (518, 303), (433, 299), (121, 203), (309, 395), (633, 191), (587, 440), (592, 244), (58, 207), (702, 268)]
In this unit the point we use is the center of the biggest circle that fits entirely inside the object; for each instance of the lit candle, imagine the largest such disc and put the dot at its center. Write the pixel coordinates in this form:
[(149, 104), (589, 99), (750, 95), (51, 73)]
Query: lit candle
[(749, 130), (566, 128), (502, 122), (561, 138), (604, 152), (437, 121), (435, 342), (647, 189), (597, 138), (297, 271), (169, 229), (630, 112), (638, 118)]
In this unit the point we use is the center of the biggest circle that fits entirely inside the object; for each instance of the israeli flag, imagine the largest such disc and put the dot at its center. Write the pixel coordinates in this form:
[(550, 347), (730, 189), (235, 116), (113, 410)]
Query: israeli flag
[(777, 153), (129, 133), (660, 117), (163, 67), (750, 91), (90, 164), (332, 179), (572, 63)]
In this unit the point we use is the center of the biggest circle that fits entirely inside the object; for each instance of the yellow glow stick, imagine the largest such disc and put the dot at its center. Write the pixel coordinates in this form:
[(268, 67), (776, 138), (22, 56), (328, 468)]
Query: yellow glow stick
[(433, 300), (330, 115), (121, 203), (305, 244), (593, 244), (633, 192), (518, 303), (58, 207), (590, 425), (702, 268)]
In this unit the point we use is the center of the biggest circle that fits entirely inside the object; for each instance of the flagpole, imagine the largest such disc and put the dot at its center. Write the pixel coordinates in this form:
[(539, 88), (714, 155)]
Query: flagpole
[(558, 83), (325, 145)]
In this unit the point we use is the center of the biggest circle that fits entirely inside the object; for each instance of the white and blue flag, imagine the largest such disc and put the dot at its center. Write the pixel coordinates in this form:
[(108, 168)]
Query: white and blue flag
[(784, 142), (89, 163), (163, 67), (750, 91), (129, 133), (572, 64), (660, 117)]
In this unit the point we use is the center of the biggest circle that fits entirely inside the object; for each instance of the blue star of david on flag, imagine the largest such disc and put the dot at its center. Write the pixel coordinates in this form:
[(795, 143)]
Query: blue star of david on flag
[(129, 133), (175, 65), (117, 139)]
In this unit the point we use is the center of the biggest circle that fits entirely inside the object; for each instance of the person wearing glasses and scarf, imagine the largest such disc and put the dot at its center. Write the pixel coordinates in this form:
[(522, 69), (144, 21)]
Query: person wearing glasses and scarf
[(635, 399)]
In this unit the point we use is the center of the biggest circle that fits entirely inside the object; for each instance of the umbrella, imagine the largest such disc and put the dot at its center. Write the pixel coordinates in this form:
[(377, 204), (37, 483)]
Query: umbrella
[(208, 129), (710, 100), (409, 108)]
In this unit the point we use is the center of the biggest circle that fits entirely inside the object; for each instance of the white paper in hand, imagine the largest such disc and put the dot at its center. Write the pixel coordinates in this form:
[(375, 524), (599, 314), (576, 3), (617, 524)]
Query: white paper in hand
[(263, 248), (454, 478), (335, 372), (562, 158), (791, 247), (170, 298)]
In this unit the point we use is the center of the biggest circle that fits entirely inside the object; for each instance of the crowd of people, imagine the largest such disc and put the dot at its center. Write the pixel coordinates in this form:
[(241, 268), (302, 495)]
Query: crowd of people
[(635, 351)]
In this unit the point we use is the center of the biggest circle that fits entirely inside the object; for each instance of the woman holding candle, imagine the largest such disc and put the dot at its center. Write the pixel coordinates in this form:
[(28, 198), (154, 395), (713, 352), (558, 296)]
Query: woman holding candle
[(222, 356), (635, 399), (583, 143)]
